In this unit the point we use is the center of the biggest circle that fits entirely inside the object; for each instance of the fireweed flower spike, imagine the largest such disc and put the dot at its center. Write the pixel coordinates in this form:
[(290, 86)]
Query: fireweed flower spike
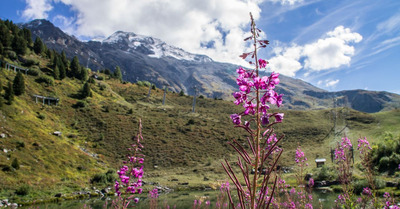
[(256, 94), (131, 174)]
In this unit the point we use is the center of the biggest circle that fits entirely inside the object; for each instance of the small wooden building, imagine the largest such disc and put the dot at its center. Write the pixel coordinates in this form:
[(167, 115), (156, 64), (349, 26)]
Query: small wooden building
[(320, 162)]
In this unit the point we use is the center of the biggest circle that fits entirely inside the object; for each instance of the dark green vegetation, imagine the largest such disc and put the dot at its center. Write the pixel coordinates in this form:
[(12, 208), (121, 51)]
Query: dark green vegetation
[(97, 123)]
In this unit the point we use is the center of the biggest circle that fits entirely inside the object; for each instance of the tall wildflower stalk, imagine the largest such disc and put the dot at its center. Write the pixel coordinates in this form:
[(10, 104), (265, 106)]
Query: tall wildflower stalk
[(256, 94), (343, 157), (130, 174)]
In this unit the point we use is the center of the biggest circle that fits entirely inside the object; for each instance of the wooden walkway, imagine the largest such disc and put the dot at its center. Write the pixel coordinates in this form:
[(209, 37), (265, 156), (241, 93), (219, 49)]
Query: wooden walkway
[(49, 99), (9, 67)]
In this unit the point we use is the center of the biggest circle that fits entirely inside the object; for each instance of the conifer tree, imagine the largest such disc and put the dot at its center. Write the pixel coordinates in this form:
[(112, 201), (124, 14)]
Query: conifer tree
[(19, 45), (85, 92), (27, 36), (1, 49), (1, 101), (63, 72), (56, 73), (19, 84), (38, 46), (75, 68), (1, 98), (9, 95), (117, 73), (64, 59), (83, 74), (5, 36)]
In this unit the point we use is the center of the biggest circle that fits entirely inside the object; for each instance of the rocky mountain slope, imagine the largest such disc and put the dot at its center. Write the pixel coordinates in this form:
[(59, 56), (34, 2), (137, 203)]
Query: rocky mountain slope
[(147, 58)]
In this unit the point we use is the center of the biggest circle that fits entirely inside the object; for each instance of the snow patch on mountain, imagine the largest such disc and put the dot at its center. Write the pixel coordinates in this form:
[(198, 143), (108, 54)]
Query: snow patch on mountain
[(158, 48)]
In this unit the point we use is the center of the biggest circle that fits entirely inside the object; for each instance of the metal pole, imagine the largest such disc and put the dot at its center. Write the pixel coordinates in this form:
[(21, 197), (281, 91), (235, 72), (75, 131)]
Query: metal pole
[(148, 95), (194, 99), (165, 92)]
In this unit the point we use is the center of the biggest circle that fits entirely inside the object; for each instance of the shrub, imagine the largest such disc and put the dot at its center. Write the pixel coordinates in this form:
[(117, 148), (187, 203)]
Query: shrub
[(6, 168), (102, 87), (80, 104), (29, 63), (41, 116), (46, 80), (12, 55), (20, 144), (23, 190), (143, 83), (190, 122), (33, 71), (104, 178), (201, 97), (130, 111), (325, 173), (15, 164), (181, 93)]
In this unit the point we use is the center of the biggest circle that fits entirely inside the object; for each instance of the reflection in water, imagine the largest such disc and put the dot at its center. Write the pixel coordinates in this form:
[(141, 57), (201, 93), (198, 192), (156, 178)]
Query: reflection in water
[(180, 200)]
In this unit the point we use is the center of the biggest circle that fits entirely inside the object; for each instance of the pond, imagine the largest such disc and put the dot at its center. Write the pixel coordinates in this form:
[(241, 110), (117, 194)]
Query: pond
[(180, 200)]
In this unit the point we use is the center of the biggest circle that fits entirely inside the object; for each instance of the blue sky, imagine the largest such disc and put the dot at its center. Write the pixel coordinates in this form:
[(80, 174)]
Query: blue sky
[(333, 44)]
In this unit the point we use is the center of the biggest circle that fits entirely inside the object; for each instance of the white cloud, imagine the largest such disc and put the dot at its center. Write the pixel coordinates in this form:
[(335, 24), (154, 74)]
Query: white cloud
[(328, 83), (37, 9), (287, 60), (285, 2), (187, 24), (331, 51)]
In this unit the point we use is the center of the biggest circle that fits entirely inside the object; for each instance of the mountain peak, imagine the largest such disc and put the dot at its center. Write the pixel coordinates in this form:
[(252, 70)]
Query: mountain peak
[(38, 22), (155, 48)]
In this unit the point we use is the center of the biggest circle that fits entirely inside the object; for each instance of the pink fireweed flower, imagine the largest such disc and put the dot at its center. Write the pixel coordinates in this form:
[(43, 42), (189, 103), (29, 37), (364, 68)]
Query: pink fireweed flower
[(278, 117), (260, 83), (263, 108), (240, 97), (265, 119), (262, 63), (141, 160), (362, 144), (236, 119), (273, 80), (311, 182), (240, 71), (308, 206), (300, 156), (250, 108), (367, 191), (135, 200)]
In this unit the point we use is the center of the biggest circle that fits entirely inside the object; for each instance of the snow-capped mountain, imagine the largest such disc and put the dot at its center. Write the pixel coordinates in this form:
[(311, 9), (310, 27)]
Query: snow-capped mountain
[(150, 59), (153, 47)]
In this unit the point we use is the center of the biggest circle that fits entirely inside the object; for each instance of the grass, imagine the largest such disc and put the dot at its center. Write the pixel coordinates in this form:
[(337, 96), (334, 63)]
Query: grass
[(175, 138)]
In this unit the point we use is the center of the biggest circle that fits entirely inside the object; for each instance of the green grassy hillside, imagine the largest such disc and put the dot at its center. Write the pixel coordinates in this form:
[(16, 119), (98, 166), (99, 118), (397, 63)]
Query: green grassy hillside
[(178, 143)]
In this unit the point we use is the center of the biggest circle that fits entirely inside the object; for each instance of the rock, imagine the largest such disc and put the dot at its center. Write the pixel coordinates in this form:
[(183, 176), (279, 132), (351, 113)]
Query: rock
[(2, 135), (13, 205), (106, 190), (57, 133)]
